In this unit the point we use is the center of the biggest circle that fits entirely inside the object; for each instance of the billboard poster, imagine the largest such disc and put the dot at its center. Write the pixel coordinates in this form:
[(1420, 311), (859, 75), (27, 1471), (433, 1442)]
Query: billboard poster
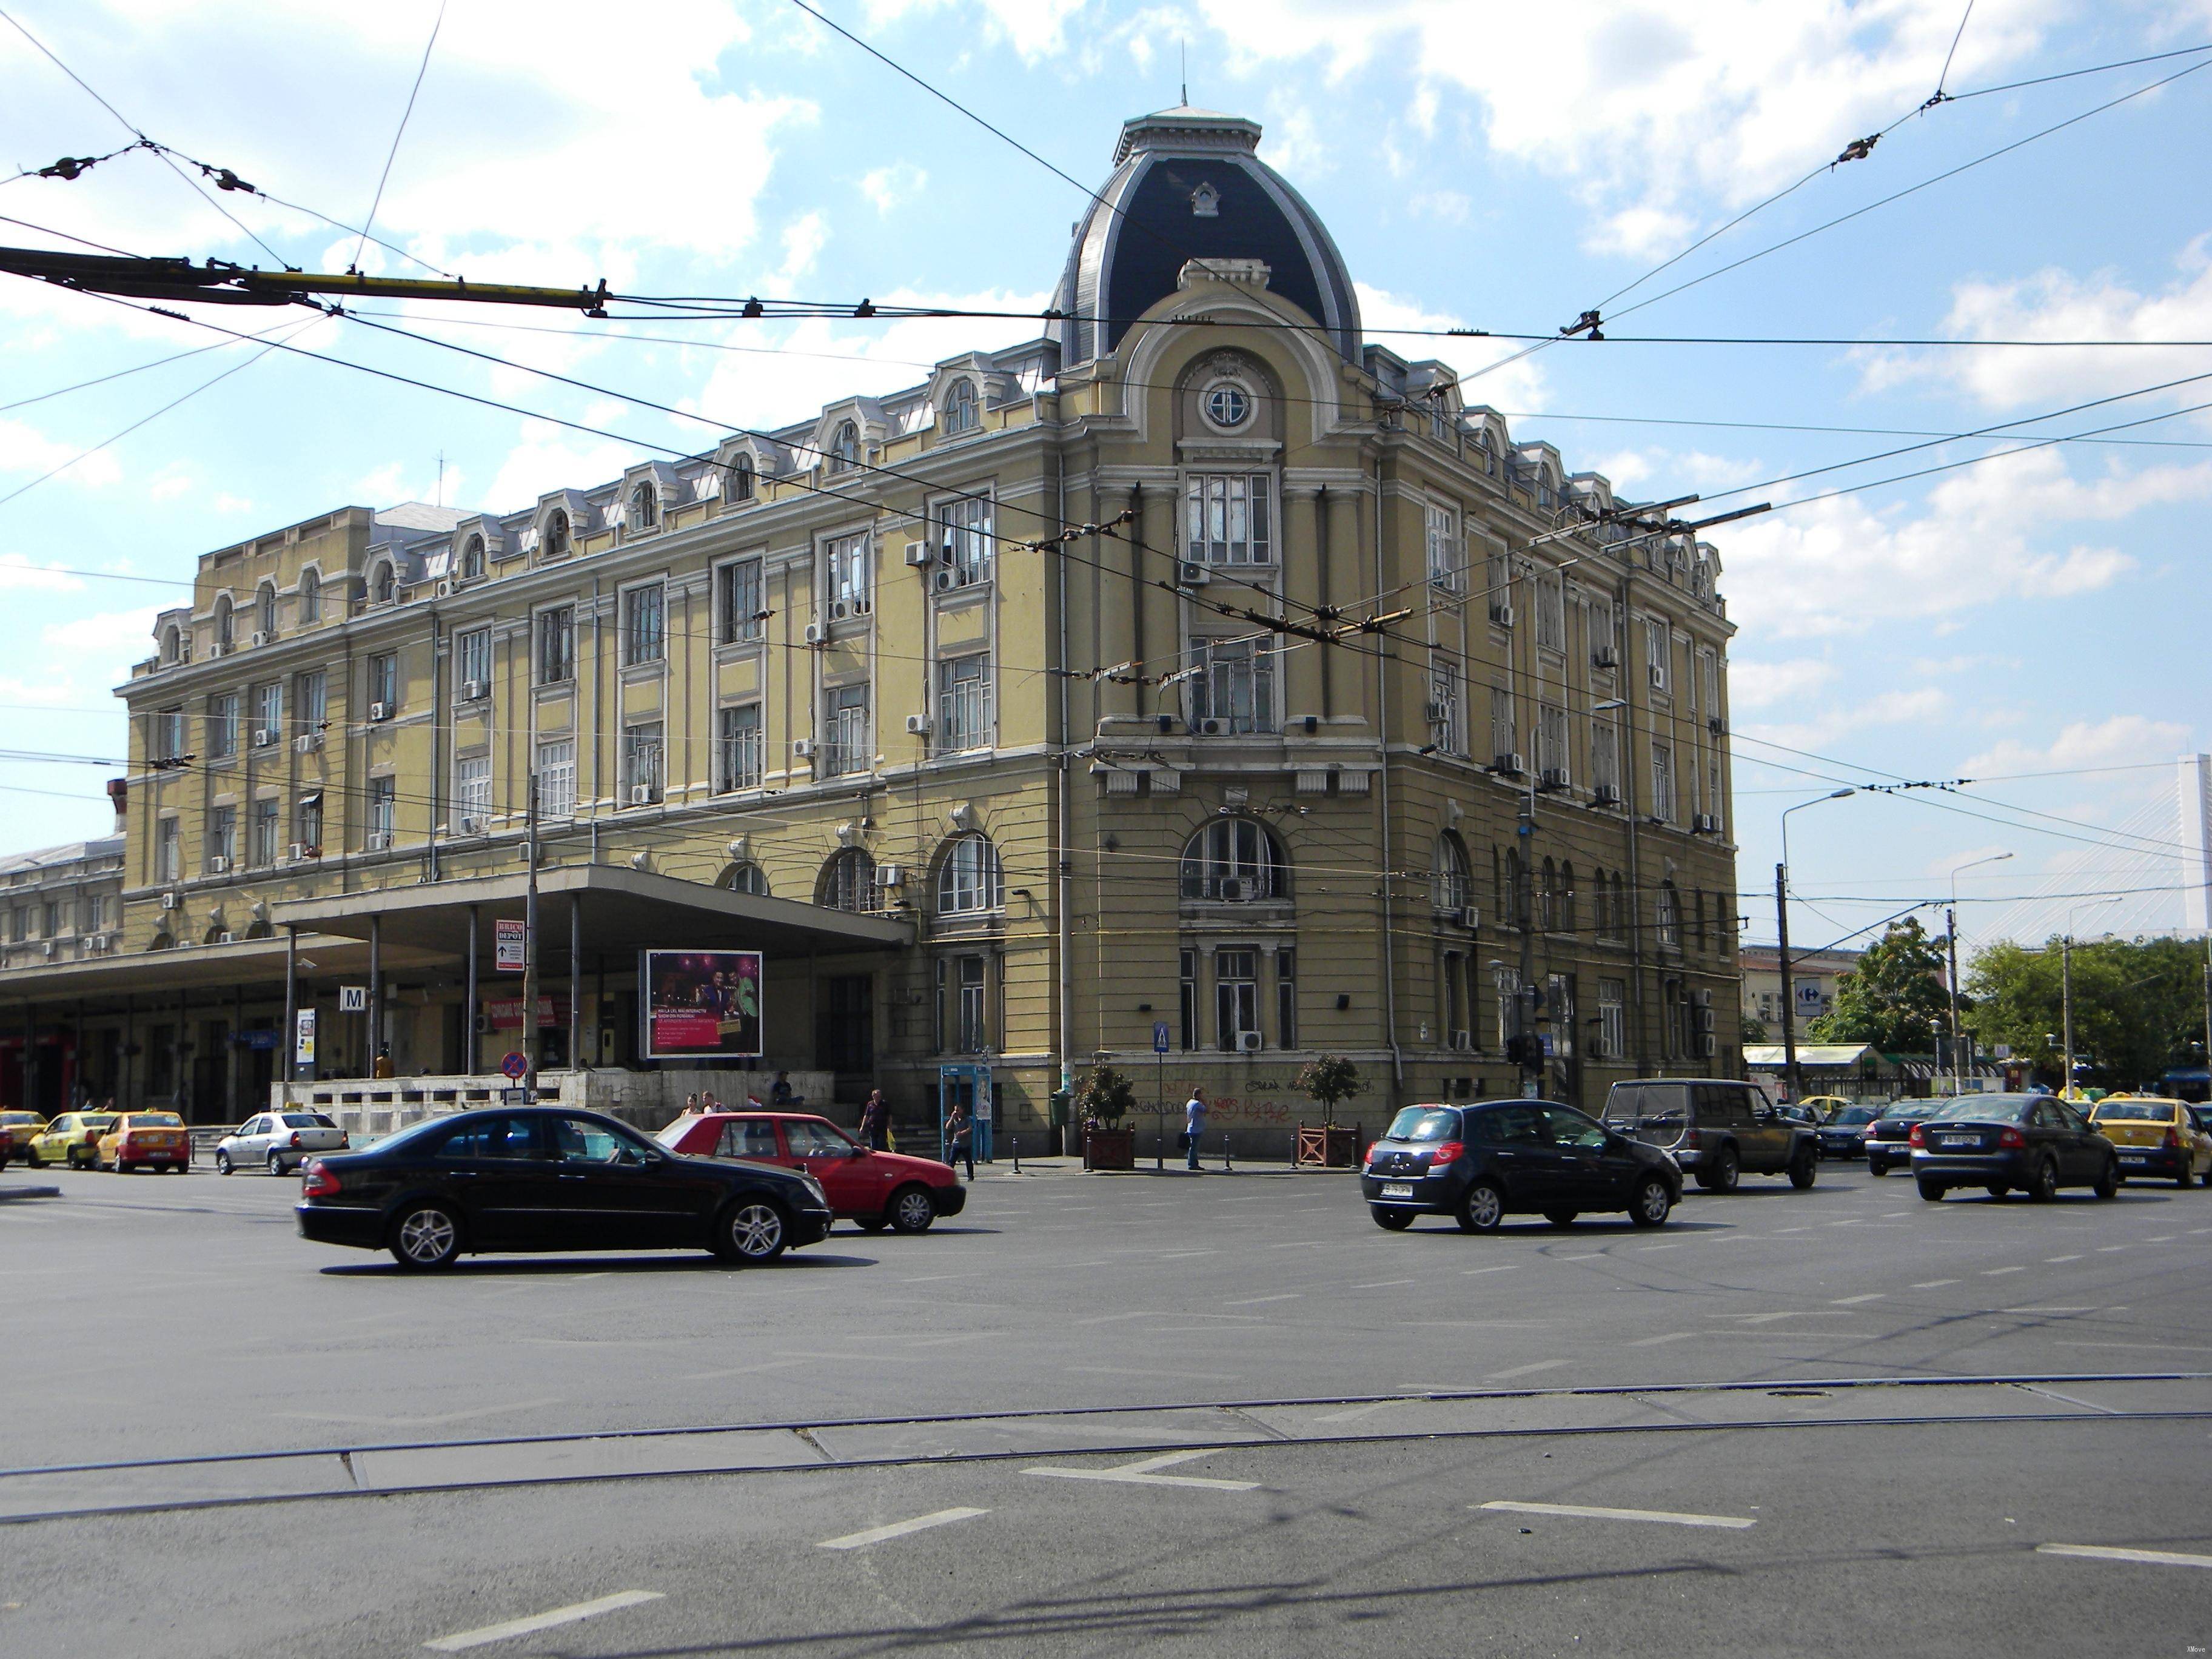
[(701, 1005)]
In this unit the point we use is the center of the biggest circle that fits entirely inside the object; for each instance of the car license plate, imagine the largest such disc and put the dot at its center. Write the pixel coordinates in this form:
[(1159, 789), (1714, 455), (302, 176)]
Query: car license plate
[(1961, 1140), (1397, 1189), (2134, 1158)]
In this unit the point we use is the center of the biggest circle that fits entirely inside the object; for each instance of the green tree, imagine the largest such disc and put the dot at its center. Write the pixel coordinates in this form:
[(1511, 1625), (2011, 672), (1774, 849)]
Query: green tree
[(1328, 1079), (1894, 999), (1754, 1029), (2138, 1007), (1104, 1094)]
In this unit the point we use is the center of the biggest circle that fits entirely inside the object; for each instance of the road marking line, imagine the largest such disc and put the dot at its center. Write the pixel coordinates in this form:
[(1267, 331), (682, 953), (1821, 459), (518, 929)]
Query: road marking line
[(2103, 1552), (1654, 1341), (1525, 1370), (1142, 1473), (1502, 1267), (1935, 1284), (537, 1621), (2054, 1261), (1778, 1231), (1848, 1301), (1254, 1301), (1108, 1319), (1646, 1249), (1358, 1412), (857, 1540), (2106, 1249), (1382, 1284), (1851, 1221), (1733, 1523), (2036, 1310), (1124, 1371), (2154, 1347), (1590, 1256), (1993, 1272), (2193, 1231), (2163, 1238)]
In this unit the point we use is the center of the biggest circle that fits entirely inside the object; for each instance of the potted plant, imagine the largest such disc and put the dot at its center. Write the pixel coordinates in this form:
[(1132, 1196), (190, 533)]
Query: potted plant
[(1328, 1079), (1103, 1099)]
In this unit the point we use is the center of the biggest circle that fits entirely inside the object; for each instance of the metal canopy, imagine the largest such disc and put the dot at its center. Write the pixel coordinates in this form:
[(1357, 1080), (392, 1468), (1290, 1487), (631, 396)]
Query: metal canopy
[(623, 911), (254, 964)]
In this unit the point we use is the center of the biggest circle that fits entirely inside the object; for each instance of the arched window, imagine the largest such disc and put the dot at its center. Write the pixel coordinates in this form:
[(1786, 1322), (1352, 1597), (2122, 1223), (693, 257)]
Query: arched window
[(747, 878), (1448, 874), (737, 481), (849, 883), (380, 585), (1513, 903), (556, 534), (1601, 905), (970, 879), (1546, 898), (1669, 925), (472, 557), (644, 507), (960, 411), (170, 644), (264, 610), (1564, 906), (1624, 920), (311, 597), (1234, 860), (845, 447), (222, 624)]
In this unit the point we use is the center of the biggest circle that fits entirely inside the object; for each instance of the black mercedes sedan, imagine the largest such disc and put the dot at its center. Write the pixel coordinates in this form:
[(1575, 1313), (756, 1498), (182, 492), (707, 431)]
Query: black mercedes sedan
[(547, 1178), (2035, 1144), (1481, 1163)]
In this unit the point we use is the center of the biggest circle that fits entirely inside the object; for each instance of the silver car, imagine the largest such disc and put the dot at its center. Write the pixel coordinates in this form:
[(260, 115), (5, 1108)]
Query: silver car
[(281, 1140)]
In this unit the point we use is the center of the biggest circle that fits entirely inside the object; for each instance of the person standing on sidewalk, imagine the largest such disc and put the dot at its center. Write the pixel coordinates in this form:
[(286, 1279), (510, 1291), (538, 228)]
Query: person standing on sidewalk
[(1193, 1123), (875, 1122), (959, 1139)]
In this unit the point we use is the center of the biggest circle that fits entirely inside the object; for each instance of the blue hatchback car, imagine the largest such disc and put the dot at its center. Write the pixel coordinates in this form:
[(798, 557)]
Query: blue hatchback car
[(1481, 1163)]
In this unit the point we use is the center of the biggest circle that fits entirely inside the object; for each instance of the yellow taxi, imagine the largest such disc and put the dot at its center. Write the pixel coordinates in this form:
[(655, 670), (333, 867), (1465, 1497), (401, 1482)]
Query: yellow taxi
[(16, 1129), (154, 1140), (1825, 1107), (2157, 1137), (72, 1139)]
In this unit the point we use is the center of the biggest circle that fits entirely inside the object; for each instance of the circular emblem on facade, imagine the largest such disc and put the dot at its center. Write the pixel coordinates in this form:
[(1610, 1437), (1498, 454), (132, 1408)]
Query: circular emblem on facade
[(1227, 405)]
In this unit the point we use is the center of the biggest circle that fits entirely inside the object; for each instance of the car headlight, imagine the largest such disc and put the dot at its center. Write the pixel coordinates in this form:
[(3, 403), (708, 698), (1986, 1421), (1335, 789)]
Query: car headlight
[(814, 1188)]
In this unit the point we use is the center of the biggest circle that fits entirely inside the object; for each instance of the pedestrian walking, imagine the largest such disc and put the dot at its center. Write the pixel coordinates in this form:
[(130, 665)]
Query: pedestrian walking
[(1193, 1124), (691, 1105), (960, 1138), (875, 1122)]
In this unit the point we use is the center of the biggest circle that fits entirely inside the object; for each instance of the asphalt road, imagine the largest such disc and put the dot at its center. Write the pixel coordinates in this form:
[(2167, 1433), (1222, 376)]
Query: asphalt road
[(172, 1317)]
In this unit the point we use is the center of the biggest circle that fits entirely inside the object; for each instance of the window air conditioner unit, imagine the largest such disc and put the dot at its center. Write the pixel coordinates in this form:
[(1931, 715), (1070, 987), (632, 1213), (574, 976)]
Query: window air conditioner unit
[(170, 900), (475, 690), (1470, 916), (1507, 765), (50, 947), (814, 633), (226, 938), (917, 556), (100, 944), (1557, 777), (1607, 795), (1191, 574), (307, 742), (1717, 726), (1230, 889), (472, 825), (297, 852), (264, 736), (1708, 1046), (1705, 824), (1437, 713), (1249, 1042), (444, 590), (1658, 677), (1598, 1050), (947, 579), (839, 610), (218, 866), (1605, 657), (917, 726), (260, 638), (379, 712), (1701, 999), (379, 841), (1463, 1041), (1501, 615), (1702, 1018), (1212, 728), (641, 794), (220, 648), (891, 875), (803, 748)]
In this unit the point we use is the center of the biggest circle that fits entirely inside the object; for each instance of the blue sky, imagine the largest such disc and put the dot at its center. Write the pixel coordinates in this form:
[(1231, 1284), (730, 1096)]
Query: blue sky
[(1486, 166)]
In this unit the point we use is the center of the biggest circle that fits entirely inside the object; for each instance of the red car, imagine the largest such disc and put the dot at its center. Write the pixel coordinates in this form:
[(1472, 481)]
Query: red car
[(873, 1189)]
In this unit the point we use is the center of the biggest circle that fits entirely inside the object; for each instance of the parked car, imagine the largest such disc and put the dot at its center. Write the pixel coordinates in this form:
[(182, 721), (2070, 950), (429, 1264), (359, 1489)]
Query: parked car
[(17, 1131), (1714, 1130), (281, 1140), (2155, 1136), (72, 1139), (1889, 1137), (1845, 1133), (544, 1178), (1479, 1163), (2035, 1143), (1824, 1107), (874, 1189), (154, 1140)]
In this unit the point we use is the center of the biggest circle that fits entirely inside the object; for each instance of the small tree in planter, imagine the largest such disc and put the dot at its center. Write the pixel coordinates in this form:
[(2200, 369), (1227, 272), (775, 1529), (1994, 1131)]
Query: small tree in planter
[(1104, 1097), (1329, 1079)]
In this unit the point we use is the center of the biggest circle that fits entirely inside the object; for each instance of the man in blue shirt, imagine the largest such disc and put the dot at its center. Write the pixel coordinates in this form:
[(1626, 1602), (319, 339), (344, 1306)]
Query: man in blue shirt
[(1194, 1122)]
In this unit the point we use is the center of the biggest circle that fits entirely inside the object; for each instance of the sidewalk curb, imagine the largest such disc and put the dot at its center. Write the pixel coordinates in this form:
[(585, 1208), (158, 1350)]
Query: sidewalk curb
[(9, 1193)]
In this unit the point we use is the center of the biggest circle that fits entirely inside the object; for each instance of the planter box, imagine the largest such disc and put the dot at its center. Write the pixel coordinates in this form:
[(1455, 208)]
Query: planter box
[(1328, 1145), (1109, 1149)]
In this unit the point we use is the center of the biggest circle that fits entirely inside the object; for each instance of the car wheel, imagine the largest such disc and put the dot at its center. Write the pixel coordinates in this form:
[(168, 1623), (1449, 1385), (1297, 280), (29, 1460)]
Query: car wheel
[(1722, 1173), (1482, 1209), (1390, 1219), (1933, 1191), (2108, 1184), (873, 1224), (1561, 1218), (912, 1210), (1998, 1191), (2043, 1186), (1877, 1170), (752, 1229), (1652, 1203), (426, 1237), (31, 1158), (223, 1163), (2187, 1177), (275, 1163), (1804, 1171)]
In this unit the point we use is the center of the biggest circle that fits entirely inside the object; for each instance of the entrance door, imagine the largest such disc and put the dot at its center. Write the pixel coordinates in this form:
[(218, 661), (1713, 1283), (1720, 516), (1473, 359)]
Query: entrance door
[(845, 1026)]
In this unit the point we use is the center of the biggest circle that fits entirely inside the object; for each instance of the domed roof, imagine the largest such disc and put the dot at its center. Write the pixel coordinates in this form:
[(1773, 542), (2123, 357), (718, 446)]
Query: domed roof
[(1189, 184)]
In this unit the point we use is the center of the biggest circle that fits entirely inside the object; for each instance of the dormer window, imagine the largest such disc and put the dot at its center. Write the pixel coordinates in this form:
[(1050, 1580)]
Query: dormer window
[(381, 585), (311, 597), (845, 447), (1206, 202), (170, 651), (264, 605), (556, 534), (961, 413), (472, 558), (644, 507), (737, 481), (222, 631)]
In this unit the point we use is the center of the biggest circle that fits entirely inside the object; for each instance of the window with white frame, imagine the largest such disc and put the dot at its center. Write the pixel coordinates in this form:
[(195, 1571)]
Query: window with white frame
[(969, 880), (311, 700), (307, 822), (848, 882), (384, 680), (1709, 664), (269, 711), (847, 750), (964, 541), (644, 506), (472, 558), (169, 851), (645, 624), (963, 703), (264, 611), (1552, 740), (1451, 879), (1559, 1003), (1506, 982), (1446, 716), (749, 877), (557, 779), (222, 837), (643, 745), (1605, 754), (1227, 519), (222, 726), (1236, 996), (1656, 653), (1503, 741), (265, 832), (737, 480), (962, 1006), (1447, 552), (383, 810), (1498, 588), (1233, 687), (1668, 923), (739, 756), (845, 447), (1663, 782), (471, 795), (168, 734), (961, 410), (310, 605), (1552, 613), (556, 645), (472, 662), (742, 603), (1613, 1017), (1604, 641), (1233, 861), (852, 591)]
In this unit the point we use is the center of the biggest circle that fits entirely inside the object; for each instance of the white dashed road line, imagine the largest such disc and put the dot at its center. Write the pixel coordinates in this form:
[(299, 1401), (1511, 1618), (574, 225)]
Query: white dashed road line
[(1254, 1301), (859, 1540), (1733, 1523), (1850, 1301), (1993, 1272), (462, 1640), (1502, 1267), (2053, 1260), (1525, 1370), (1935, 1284), (2103, 1552), (1142, 1474), (1655, 1341)]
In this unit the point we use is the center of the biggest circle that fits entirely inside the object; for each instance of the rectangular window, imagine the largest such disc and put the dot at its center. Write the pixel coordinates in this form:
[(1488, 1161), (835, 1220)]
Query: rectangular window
[(964, 704), (1507, 983), (1559, 1003), (383, 811), (739, 756), (311, 701), (1604, 641), (53, 922), (1498, 588), (1447, 728), (1711, 663), (1552, 613), (1605, 756), (307, 823), (556, 645), (95, 912), (269, 712), (222, 834), (1234, 687), (640, 764), (1663, 782), (1226, 519), (1551, 742), (1713, 795), (1661, 671), (264, 832), (168, 735), (851, 591), (1236, 996), (742, 602), (472, 663), (1613, 1017), (1189, 965), (1286, 998), (645, 624), (972, 1030), (964, 541), (472, 794), (222, 726), (847, 750), (557, 779), (1447, 553), (1502, 736), (384, 680)]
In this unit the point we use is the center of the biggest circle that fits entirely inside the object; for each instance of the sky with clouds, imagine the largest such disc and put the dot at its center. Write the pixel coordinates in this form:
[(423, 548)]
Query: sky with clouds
[(2035, 623)]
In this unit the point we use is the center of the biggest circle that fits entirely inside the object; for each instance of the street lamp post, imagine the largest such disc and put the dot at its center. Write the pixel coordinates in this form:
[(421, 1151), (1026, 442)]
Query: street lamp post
[(1950, 941), (1791, 1079), (2066, 992)]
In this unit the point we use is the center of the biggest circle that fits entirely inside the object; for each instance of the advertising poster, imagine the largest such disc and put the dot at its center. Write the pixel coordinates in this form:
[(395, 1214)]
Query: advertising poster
[(701, 1005)]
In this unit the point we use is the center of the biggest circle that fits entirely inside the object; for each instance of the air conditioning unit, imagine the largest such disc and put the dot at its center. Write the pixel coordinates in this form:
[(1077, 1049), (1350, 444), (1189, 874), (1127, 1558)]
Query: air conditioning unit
[(891, 875), (444, 590), (1598, 1050), (1605, 657), (1702, 1018), (1470, 916), (1708, 1046), (917, 556), (307, 742), (473, 824), (1507, 765), (1557, 777), (641, 794), (218, 866), (917, 726), (839, 610), (1705, 824), (1658, 677), (220, 648), (264, 736), (225, 938), (100, 944), (379, 841), (1463, 1041), (1607, 795), (813, 633), (1717, 726), (475, 690), (1501, 615), (171, 900), (379, 712), (1212, 728), (947, 579), (1701, 998), (260, 638), (295, 852), (49, 948), (803, 748), (1230, 889), (1191, 574), (1437, 713), (1249, 1042)]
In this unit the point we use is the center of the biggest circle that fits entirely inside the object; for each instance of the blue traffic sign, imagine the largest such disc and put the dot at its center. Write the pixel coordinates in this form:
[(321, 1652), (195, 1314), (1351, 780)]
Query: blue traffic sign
[(1160, 1037)]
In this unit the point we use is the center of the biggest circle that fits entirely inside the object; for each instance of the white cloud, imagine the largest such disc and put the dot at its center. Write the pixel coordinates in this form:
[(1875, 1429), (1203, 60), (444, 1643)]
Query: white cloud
[(2120, 741), (1673, 470), (101, 646), (1753, 685), (1905, 706), (889, 186), (549, 459), (20, 575), (170, 486), (227, 502), (24, 449), (1486, 374), (1035, 28)]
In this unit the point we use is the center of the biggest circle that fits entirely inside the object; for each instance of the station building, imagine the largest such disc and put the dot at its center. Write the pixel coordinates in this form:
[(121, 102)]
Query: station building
[(994, 712)]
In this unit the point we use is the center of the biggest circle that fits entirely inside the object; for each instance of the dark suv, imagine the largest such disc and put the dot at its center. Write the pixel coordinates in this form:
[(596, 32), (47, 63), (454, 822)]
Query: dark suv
[(1716, 1130), (1481, 1163)]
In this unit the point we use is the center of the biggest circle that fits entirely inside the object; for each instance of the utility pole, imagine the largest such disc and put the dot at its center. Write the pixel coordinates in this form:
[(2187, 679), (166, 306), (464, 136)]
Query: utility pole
[(1790, 1077), (1532, 1050), (530, 943), (2066, 1011), (1951, 944)]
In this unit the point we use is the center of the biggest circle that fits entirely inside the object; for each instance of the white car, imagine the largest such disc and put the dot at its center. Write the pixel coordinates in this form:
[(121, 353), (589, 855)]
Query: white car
[(282, 1140)]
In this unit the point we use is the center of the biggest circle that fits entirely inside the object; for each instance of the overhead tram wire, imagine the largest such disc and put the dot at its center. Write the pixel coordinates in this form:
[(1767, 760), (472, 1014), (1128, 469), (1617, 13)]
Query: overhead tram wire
[(1945, 73), (136, 368), (392, 154)]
